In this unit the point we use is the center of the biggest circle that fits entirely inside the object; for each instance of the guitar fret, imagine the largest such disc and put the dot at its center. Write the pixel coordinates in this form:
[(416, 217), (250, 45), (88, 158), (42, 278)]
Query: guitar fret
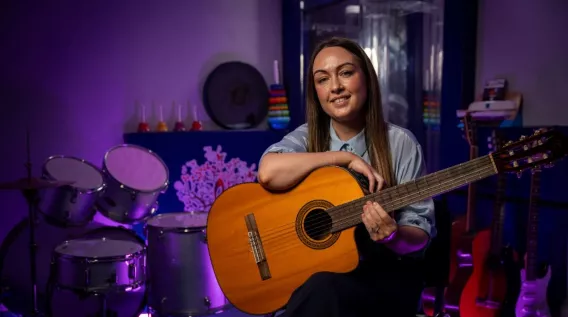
[(395, 198), (532, 232)]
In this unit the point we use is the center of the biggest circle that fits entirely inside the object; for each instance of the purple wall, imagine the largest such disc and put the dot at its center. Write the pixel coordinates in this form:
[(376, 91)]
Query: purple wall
[(74, 69), (525, 42)]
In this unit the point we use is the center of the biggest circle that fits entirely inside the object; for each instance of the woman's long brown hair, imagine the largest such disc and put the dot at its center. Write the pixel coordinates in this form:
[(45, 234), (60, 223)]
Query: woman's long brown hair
[(376, 129)]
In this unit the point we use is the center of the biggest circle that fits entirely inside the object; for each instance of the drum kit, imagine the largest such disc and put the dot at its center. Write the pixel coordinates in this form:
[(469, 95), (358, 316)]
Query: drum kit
[(78, 267)]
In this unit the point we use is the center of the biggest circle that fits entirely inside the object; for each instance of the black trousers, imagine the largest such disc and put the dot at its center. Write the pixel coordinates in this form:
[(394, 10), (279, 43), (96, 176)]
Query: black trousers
[(384, 285)]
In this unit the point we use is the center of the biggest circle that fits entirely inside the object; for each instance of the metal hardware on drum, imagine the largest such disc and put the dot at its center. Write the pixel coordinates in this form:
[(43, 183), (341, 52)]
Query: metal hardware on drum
[(177, 244), (105, 267), (98, 265), (71, 205), (135, 177)]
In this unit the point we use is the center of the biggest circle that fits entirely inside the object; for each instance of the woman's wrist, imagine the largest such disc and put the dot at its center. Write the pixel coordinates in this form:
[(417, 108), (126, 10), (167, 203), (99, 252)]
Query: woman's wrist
[(341, 158)]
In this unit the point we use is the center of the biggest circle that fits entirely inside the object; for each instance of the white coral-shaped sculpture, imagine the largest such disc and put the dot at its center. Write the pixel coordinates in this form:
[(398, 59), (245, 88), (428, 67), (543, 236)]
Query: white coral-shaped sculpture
[(201, 184)]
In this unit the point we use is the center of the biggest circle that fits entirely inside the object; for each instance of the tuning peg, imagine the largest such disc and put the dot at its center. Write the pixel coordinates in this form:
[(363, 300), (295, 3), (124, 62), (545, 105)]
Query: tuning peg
[(508, 143), (522, 137)]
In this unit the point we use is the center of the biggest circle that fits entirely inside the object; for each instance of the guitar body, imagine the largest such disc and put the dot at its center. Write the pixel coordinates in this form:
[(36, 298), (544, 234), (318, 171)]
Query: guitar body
[(532, 299), (461, 266), (490, 276), (279, 218)]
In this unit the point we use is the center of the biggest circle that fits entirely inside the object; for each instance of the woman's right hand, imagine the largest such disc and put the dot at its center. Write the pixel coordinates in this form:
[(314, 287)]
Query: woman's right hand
[(376, 181)]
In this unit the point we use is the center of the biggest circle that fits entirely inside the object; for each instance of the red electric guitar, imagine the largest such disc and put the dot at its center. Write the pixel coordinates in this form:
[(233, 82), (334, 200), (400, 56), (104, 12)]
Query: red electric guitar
[(494, 282), (463, 230)]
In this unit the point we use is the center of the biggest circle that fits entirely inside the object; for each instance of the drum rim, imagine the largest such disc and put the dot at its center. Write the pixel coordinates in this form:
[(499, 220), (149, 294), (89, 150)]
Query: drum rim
[(148, 225), (97, 259), (159, 188), (47, 174)]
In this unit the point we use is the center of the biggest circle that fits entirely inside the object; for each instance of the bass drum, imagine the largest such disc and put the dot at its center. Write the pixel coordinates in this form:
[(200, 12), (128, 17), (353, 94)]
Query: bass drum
[(15, 280), (128, 303)]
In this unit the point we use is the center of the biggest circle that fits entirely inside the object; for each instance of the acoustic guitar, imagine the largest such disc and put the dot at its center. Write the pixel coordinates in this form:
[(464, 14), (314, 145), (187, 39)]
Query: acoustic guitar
[(489, 285), (534, 284), (263, 244)]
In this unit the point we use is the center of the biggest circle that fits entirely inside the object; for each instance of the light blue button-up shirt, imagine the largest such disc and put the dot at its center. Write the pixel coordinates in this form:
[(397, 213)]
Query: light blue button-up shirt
[(407, 160)]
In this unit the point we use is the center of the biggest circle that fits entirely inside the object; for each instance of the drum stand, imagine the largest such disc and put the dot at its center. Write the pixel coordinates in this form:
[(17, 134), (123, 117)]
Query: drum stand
[(31, 198), (103, 310)]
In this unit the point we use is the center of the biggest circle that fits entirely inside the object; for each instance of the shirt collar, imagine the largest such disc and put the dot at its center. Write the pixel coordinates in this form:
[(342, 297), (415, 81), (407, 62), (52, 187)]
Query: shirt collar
[(357, 143)]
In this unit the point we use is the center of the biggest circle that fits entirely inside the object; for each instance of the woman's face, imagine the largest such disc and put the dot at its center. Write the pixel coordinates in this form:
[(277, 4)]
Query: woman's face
[(340, 83)]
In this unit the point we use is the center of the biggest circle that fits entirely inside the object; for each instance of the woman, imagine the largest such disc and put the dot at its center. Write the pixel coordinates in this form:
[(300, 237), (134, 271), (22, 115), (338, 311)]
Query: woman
[(345, 127)]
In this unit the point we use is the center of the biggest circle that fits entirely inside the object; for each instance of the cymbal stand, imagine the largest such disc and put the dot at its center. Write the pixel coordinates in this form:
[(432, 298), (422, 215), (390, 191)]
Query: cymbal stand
[(31, 197)]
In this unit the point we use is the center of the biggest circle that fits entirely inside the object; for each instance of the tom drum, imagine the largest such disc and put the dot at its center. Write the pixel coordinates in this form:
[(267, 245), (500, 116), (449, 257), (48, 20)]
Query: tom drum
[(135, 178), (71, 205)]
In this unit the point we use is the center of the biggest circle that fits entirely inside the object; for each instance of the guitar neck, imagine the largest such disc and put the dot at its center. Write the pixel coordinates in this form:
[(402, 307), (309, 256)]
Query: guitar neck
[(397, 197), (532, 227), (471, 195), (498, 216)]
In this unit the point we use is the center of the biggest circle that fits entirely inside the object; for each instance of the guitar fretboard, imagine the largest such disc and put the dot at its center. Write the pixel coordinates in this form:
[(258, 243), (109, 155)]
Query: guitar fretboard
[(532, 230), (394, 198)]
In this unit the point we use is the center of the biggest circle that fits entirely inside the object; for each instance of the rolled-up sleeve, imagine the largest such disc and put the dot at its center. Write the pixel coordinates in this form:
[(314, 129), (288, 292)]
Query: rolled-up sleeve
[(295, 141), (411, 166)]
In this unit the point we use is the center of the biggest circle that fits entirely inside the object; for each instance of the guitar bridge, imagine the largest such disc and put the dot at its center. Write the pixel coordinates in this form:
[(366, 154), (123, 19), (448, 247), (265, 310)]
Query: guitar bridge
[(257, 248)]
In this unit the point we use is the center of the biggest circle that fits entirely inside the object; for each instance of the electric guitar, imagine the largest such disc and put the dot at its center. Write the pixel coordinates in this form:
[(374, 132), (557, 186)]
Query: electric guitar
[(263, 245), (463, 232), (532, 298), (564, 306), (490, 289)]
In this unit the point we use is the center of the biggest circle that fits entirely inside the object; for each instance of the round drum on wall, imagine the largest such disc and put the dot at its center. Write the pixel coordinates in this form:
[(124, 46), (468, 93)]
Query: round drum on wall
[(235, 96)]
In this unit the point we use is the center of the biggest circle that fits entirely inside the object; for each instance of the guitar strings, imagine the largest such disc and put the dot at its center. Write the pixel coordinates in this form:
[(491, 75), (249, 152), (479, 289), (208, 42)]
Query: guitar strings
[(281, 247), (323, 227), (394, 201), (270, 232), (320, 223)]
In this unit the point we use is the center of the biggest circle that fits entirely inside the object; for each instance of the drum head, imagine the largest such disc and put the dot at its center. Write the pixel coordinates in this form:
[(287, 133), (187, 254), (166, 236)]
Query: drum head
[(15, 262), (84, 175), (136, 168), (98, 248), (129, 304), (179, 220), (235, 96)]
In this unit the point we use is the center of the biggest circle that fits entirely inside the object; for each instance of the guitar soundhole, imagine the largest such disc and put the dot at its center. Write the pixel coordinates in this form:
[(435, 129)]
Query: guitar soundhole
[(317, 224)]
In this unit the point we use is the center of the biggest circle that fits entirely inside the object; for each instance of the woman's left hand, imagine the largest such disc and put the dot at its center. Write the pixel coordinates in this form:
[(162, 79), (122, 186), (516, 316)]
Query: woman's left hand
[(381, 226)]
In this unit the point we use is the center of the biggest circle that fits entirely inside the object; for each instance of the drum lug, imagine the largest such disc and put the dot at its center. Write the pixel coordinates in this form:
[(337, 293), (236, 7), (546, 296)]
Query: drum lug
[(133, 195), (132, 271), (204, 238), (87, 277), (206, 301), (161, 235)]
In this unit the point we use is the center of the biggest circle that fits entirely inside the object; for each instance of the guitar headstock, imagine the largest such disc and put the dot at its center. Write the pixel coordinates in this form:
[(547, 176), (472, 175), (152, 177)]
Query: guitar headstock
[(540, 149), (469, 129)]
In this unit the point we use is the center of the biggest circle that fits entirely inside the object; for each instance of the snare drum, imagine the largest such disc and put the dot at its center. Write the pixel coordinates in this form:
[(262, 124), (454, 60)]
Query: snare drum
[(119, 302), (177, 244), (99, 264), (135, 178), (71, 205)]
